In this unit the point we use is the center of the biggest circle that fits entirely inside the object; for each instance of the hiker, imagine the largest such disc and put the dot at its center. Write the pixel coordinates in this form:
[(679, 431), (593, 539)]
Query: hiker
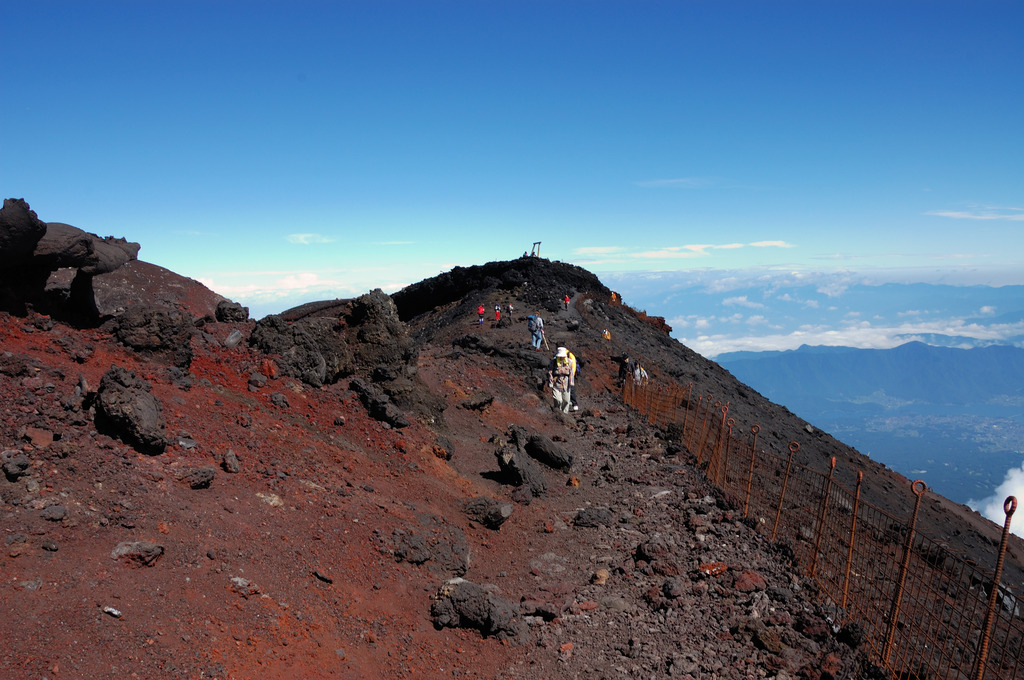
[(509, 309), (626, 370), (497, 312), (575, 364), (639, 374), (566, 301), (561, 379), (535, 325), (480, 312)]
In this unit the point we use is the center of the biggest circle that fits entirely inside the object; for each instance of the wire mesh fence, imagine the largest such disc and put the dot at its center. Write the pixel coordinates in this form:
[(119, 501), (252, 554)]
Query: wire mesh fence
[(924, 610)]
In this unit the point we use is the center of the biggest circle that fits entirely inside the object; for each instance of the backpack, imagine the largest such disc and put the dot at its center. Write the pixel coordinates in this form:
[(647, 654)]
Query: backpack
[(531, 323)]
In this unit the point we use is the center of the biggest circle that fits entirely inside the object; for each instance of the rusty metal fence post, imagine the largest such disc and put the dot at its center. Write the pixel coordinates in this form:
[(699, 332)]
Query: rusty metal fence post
[(750, 473), (724, 466), (793, 448), (821, 516), (693, 427), (1009, 507), (853, 537), (894, 611)]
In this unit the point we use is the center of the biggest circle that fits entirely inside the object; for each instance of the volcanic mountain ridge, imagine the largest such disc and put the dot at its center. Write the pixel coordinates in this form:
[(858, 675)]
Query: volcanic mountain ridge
[(378, 487)]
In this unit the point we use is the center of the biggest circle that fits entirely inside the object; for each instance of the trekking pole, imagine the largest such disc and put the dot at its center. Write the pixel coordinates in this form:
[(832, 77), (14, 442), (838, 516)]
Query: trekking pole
[(544, 337)]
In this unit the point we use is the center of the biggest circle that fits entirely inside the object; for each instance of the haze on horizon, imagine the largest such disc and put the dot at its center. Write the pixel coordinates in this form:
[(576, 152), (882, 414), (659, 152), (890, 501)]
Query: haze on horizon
[(286, 153)]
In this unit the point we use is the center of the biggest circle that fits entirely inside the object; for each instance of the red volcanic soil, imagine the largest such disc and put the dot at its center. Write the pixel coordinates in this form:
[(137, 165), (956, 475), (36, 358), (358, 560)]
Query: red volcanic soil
[(320, 553)]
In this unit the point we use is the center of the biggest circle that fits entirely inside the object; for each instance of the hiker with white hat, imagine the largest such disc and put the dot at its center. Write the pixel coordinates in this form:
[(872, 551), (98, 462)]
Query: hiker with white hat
[(562, 378)]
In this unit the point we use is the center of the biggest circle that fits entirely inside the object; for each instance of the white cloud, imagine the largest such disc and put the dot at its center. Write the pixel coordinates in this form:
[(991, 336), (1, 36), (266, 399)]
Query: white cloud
[(992, 507), (833, 288), (742, 301), (772, 244), (854, 333), (986, 213), (308, 239), (987, 310), (598, 250)]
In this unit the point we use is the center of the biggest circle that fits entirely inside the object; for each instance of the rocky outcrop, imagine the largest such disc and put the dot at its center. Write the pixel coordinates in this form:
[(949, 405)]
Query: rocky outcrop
[(320, 350), (139, 282), (312, 350), (535, 281), (231, 312), (48, 267), (65, 246), (380, 337), (20, 231), (76, 276)]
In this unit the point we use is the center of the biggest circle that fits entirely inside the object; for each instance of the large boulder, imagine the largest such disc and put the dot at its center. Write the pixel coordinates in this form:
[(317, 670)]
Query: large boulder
[(125, 409), (543, 449), (489, 512), (463, 604), (519, 470), (158, 332)]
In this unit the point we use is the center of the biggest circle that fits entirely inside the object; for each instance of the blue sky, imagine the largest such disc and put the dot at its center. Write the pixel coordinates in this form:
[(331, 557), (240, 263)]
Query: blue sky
[(285, 152)]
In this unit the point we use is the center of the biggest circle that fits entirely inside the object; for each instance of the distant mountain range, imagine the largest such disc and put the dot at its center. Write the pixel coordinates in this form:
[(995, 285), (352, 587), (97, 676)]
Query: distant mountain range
[(714, 312), (953, 417)]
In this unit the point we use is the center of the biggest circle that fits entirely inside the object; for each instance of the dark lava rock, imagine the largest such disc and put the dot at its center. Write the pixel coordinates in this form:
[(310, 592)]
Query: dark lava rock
[(594, 517), (198, 477), (513, 275), (477, 402), (15, 465), (462, 604), (54, 513), (487, 511), (159, 332), (20, 231), (65, 246), (125, 409), (546, 451), (519, 469), (228, 312), (440, 546), (380, 336), (378, 404), (138, 553), (312, 349)]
